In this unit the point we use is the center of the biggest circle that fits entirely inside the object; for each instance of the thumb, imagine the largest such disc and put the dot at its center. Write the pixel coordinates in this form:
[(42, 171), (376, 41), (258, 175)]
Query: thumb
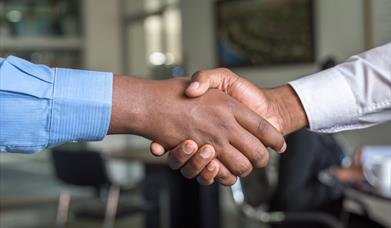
[(204, 80), (157, 149), (197, 88)]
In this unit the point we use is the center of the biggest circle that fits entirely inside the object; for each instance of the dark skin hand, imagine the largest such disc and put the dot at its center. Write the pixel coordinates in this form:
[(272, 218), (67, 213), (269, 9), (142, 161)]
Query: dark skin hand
[(160, 111), (280, 106)]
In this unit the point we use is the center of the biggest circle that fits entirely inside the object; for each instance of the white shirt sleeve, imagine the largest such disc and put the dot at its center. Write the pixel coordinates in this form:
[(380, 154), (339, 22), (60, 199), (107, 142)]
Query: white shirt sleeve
[(352, 95)]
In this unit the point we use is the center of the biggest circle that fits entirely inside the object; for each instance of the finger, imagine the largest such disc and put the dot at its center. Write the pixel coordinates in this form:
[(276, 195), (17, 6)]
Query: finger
[(224, 176), (235, 161), (220, 78), (157, 149), (181, 154), (208, 174), (260, 128), (198, 161), (251, 147)]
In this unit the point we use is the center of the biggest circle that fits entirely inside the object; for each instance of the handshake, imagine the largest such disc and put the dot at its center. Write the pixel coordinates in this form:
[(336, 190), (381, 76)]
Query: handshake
[(217, 126)]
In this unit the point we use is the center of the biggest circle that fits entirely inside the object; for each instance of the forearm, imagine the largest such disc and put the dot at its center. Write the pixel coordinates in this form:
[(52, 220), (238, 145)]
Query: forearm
[(354, 94), (287, 106)]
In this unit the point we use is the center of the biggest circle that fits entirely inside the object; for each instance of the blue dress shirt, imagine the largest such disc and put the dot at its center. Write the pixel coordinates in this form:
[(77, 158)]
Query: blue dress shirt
[(42, 107)]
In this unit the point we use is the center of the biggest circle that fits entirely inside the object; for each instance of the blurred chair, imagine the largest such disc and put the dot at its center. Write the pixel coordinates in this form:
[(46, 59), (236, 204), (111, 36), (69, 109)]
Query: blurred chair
[(297, 197), (87, 169), (308, 154), (299, 187), (285, 219)]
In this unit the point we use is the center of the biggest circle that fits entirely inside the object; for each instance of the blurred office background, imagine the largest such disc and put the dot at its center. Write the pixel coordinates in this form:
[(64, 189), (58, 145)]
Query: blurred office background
[(160, 39)]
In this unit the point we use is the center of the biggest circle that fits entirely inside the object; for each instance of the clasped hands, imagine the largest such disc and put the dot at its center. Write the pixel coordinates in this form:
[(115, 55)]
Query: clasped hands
[(217, 130)]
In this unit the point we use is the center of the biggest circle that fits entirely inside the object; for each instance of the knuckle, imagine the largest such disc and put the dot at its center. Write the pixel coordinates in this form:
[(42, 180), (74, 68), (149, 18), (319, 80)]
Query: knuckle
[(258, 158), (174, 153), (262, 127), (231, 105), (195, 165), (265, 160), (176, 156), (230, 181), (223, 177), (199, 74), (263, 155), (173, 162), (225, 126), (173, 166), (186, 173), (224, 70), (257, 151), (204, 180), (243, 169), (277, 141), (212, 140)]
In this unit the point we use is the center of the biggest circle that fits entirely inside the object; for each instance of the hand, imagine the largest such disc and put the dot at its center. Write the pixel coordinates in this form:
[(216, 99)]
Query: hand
[(354, 173), (158, 110), (357, 157), (279, 106)]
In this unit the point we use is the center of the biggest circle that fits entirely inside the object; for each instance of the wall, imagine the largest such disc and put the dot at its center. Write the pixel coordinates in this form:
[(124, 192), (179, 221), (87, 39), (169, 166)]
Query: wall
[(339, 28), (102, 46)]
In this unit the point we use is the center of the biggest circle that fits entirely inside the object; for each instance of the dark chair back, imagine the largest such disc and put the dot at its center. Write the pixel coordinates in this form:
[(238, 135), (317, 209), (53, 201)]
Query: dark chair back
[(81, 168), (257, 188), (254, 194)]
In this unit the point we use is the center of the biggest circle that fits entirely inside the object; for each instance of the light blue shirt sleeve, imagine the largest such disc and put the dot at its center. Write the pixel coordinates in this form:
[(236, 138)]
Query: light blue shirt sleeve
[(41, 107)]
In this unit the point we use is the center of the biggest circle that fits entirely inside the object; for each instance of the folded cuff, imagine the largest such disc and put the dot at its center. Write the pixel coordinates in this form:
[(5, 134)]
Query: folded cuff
[(81, 106), (328, 101)]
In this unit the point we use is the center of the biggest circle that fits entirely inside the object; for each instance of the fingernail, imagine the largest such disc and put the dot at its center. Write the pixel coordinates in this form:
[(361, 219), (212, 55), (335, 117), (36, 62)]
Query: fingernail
[(188, 148), (194, 85), (211, 167), (206, 153), (283, 148)]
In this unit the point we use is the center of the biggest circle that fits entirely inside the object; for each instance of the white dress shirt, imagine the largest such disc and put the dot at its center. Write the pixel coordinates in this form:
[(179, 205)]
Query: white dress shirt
[(370, 154), (352, 95), (376, 163)]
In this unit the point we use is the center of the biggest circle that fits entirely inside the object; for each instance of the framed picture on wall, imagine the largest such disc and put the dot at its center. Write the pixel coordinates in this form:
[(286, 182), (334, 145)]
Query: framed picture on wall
[(264, 32)]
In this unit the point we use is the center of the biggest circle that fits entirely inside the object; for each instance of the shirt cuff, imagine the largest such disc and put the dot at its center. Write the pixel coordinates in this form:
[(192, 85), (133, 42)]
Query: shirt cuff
[(81, 106), (377, 153), (327, 100)]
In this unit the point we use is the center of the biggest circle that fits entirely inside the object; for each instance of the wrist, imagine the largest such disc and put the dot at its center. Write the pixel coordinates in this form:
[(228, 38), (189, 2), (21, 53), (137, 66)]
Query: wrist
[(128, 106), (287, 107)]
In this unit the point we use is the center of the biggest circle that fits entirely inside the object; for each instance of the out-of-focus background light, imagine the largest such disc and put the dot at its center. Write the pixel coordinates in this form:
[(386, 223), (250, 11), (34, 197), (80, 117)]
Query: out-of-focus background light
[(157, 58), (14, 16)]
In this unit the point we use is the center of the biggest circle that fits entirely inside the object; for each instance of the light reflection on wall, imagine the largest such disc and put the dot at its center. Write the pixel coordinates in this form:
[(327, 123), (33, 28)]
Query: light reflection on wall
[(163, 33)]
